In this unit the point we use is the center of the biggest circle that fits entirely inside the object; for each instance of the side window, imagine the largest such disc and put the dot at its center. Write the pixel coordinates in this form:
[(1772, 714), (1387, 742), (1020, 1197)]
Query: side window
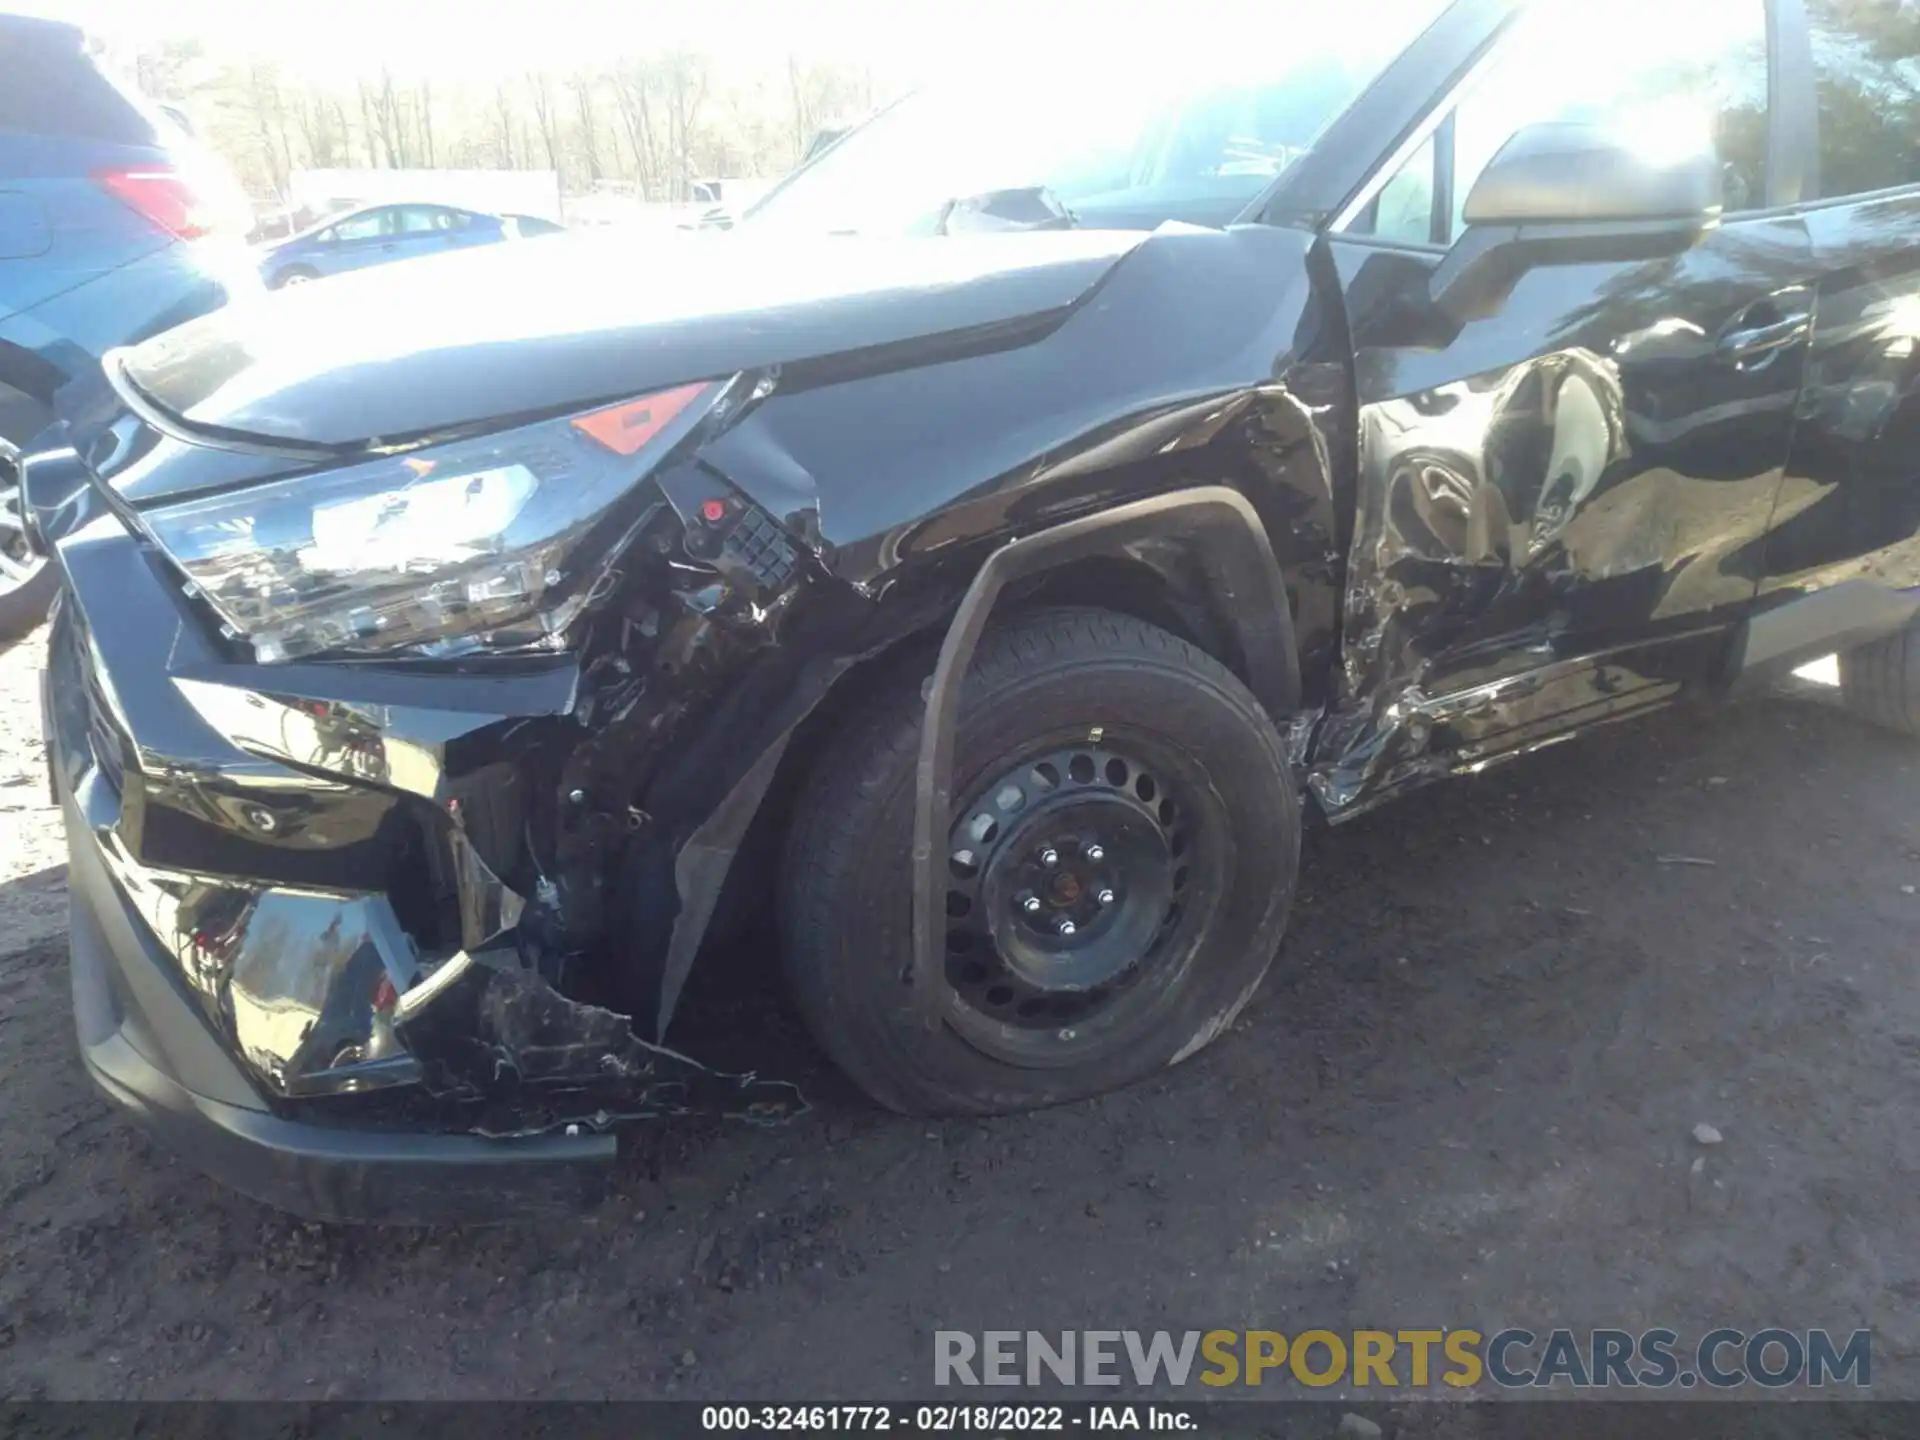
[(1693, 71), (420, 219), (367, 225), (1403, 211), (1866, 56)]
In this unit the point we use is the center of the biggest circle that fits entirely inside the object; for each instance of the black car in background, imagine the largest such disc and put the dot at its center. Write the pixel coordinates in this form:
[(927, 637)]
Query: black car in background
[(441, 654)]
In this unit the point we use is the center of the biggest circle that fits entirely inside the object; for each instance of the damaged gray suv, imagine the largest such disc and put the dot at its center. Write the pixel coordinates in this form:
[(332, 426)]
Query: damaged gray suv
[(987, 589)]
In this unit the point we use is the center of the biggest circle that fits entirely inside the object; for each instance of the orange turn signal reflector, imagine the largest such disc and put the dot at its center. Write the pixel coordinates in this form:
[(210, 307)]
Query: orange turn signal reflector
[(628, 427)]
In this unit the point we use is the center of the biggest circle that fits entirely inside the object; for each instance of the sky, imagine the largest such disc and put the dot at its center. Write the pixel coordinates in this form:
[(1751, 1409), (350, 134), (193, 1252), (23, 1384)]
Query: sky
[(484, 39), (481, 40)]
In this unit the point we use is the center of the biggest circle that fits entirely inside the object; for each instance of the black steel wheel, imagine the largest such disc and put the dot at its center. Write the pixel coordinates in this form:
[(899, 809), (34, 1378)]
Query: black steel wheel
[(1069, 878), (1119, 868)]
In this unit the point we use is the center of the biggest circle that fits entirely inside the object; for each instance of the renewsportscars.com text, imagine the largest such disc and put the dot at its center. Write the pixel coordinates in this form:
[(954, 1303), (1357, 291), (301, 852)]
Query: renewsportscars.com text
[(1511, 1359)]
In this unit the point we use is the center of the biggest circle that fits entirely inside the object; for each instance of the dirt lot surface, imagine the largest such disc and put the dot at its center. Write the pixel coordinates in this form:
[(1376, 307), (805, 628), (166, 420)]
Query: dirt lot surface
[(1465, 1097)]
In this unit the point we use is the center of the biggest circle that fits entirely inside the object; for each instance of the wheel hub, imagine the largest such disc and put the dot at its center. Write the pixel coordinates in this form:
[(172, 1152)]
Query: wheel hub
[(1066, 874), (1073, 939)]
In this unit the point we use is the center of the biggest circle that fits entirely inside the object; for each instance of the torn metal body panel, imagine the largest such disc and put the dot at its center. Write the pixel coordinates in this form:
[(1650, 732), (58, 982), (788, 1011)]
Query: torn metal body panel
[(440, 648), (448, 862), (326, 981), (485, 1029), (1550, 532), (890, 541)]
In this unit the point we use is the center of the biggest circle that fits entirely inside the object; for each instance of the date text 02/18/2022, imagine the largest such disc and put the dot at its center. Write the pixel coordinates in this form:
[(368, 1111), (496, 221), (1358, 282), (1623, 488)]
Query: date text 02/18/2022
[(944, 1419)]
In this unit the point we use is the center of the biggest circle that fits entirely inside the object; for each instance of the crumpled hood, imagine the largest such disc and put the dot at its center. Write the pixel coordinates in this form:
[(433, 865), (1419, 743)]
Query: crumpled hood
[(513, 329)]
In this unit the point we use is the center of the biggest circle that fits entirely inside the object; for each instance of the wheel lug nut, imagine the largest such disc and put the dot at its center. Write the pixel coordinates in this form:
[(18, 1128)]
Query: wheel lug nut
[(1049, 857), (1031, 905), (1068, 929), (1095, 853), (1107, 897)]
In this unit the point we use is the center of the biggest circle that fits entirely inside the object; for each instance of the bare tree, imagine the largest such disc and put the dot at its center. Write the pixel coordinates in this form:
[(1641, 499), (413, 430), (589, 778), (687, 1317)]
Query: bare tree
[(540, 92), (392, 121), (662, 118), (583, 88), (323, 128), (346, 130), (369, 125), (423, 110), (822, 95), (633, 95), (687, 76), (503, 116), (270, 121), (165, 72)]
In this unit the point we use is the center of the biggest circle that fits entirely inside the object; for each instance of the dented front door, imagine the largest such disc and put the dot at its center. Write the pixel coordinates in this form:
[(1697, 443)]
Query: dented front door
[(1561, 506)]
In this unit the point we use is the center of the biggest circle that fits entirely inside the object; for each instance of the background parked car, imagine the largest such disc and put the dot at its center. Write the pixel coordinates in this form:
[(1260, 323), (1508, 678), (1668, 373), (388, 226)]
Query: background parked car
[(528, 226), (115, 224), (383, 233)]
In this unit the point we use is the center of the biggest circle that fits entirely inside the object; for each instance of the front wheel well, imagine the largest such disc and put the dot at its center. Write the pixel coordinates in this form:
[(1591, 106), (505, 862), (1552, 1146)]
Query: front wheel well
[(1167, 591), (1127, 585)]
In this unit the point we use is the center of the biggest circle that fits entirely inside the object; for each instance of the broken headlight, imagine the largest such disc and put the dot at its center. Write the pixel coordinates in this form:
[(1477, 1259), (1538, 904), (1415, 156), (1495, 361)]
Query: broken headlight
[(491, 542)]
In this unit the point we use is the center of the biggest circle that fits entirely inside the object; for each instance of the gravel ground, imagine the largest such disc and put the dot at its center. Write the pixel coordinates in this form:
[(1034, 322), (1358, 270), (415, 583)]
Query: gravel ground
[(33, 855), (1466, 1097)]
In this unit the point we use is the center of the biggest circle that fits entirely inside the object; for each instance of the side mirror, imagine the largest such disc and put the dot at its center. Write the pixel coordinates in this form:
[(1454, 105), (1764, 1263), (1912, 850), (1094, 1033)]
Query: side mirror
[(1567, 174), (1571, 194)]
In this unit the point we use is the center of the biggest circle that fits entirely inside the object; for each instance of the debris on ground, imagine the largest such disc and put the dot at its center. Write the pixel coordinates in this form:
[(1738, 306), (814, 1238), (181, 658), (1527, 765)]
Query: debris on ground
[(1706, 1134)]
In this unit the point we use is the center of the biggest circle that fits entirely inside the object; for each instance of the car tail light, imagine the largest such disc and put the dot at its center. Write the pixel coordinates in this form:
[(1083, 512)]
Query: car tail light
[(162, 196)]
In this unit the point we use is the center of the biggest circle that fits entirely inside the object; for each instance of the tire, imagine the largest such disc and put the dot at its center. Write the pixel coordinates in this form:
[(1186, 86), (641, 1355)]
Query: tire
[(294, 275), (1198, 887), (1881, 682), (28, 581)]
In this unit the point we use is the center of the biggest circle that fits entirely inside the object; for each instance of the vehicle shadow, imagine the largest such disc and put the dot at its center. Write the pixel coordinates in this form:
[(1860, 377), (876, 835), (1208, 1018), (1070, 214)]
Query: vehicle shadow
[(33, 908)]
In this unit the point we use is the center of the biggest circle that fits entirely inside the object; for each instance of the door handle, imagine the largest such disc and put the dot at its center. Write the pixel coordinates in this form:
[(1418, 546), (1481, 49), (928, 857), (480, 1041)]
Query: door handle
[(1763, 342)]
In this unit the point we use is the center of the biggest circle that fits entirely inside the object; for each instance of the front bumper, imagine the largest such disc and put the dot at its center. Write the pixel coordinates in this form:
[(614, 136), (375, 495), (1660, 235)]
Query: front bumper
[(227, 938), (131, 1026)]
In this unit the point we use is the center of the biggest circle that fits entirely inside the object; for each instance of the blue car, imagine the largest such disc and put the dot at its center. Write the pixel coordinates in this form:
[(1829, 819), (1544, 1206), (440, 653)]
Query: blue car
[(114, 225), (378, 235)]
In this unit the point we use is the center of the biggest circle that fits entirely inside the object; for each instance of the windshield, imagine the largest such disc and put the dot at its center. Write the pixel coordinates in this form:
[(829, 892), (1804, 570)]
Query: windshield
[(1130, 138)]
